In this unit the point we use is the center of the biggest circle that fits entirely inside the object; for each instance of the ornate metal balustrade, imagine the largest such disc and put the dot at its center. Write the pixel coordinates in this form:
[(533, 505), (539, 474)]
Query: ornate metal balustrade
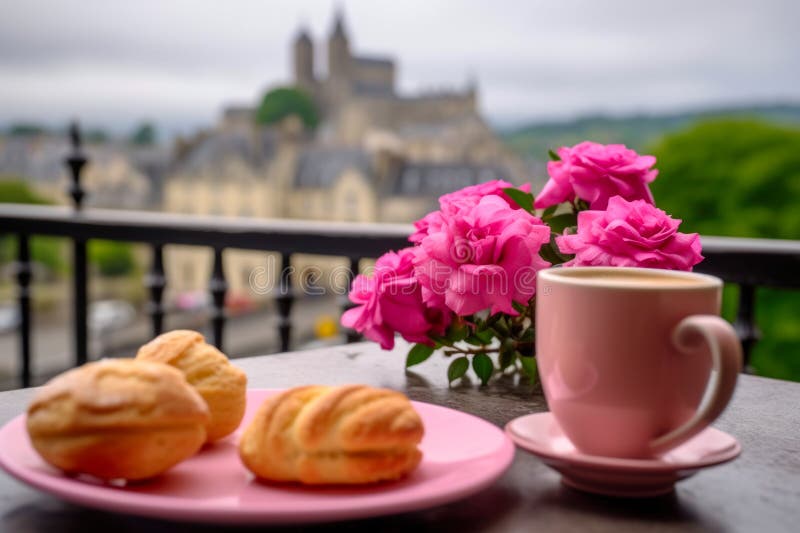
[(750, 263)]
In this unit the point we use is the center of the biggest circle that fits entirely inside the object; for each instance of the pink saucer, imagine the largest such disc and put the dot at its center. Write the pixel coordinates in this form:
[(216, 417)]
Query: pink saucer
[(541, 435), (462, 455)]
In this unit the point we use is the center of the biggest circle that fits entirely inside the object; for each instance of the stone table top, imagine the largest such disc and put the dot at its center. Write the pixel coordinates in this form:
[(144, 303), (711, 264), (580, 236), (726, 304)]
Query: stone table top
[(759, 491)]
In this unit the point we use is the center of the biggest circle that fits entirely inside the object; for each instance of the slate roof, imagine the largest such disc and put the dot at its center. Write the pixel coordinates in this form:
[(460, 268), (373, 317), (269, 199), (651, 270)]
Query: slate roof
[(222, 145), (374, 61), (319, 167), (435, 179)]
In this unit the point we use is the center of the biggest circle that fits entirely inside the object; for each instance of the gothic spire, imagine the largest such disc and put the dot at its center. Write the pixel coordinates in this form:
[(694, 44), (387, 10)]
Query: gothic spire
[(338, 23)]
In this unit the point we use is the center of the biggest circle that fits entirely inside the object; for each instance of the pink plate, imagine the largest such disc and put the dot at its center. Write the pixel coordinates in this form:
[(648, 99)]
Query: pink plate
[(462, 454), (541, 435)]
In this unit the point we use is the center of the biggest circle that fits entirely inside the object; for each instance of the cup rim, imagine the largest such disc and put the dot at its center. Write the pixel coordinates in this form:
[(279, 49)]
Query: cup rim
[(554, 274)]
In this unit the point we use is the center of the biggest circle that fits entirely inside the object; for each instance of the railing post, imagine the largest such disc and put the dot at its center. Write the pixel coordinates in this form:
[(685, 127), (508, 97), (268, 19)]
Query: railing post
[(156, 281), (218, 287), (745, 323), (285, 301), (24, 274), (80, 301), (351, 334), (75, 162)]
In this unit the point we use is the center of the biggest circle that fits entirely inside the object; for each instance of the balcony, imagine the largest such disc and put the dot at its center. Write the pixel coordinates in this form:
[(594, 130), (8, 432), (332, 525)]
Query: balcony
[(747, 263)]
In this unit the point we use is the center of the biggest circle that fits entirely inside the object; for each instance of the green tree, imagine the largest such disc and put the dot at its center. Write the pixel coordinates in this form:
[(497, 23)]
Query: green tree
[(108, 257), (97, 136), (112, 258), (14, 190), (281, 102), (26, 130), (740, 178), (145, 134), (47, 251)]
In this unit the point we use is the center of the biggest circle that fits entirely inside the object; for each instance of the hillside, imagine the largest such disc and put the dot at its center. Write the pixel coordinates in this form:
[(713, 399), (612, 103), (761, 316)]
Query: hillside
[(636, 131)]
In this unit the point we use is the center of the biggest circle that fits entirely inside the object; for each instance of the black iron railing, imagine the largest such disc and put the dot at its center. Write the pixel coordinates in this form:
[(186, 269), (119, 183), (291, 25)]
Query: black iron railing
[(747, 262)]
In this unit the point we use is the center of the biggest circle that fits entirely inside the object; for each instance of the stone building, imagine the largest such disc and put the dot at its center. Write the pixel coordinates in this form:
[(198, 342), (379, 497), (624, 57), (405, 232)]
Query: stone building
[(376, 156), (118, 176), (358, 93)]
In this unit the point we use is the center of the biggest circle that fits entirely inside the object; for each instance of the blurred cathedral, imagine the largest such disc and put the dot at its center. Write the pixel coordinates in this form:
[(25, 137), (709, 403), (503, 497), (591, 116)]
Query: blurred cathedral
[(376, 156), (358, 94)]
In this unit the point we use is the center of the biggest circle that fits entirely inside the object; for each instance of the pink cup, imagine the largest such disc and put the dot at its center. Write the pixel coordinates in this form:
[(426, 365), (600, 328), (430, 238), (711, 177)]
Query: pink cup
[(626, 354)]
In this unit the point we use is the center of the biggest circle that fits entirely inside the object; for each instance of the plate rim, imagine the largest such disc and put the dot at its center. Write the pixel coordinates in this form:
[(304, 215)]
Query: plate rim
[(186, 509), (618, 464)]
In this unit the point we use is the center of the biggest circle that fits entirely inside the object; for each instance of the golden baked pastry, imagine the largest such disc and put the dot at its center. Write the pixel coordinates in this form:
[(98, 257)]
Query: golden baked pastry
[(222, 385), (117, 418), (319, 435)]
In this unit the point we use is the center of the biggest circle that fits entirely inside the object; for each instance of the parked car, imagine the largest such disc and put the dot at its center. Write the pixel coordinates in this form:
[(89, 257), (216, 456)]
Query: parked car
[(9, 318), (110, 315)]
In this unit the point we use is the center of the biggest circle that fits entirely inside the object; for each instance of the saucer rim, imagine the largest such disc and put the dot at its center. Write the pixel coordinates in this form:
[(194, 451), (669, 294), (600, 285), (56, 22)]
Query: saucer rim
[(620, 464)]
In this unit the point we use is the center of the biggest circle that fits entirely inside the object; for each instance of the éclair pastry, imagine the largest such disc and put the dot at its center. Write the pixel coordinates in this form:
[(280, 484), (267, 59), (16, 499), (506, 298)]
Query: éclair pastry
[(222, 385), (117, 419), (328, 435)]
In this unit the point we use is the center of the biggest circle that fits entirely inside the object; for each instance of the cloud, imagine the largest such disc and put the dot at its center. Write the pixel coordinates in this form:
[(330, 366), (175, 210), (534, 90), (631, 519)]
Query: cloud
[(180, 61)]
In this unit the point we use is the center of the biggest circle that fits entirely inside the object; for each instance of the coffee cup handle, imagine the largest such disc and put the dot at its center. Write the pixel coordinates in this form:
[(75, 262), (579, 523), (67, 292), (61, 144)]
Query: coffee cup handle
[(726, 357)]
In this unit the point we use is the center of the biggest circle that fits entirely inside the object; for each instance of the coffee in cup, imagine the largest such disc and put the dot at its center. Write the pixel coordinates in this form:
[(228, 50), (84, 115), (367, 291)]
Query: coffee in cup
[(626, 356)]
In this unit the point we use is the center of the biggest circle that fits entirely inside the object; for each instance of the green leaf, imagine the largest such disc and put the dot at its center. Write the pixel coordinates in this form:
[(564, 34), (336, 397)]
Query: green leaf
[(501, 328), (441, 341), (474, 340), (417, 354), (529, 367), (547, 253), (457, 332), (549, 212), (553, 156), (507, 344), (529, 335), (492, 320), (457, 368), (485, 336), (483, 367), (550, 252), (480, 337), (523, 199), (520, 308), (559, 222), (506, 359)]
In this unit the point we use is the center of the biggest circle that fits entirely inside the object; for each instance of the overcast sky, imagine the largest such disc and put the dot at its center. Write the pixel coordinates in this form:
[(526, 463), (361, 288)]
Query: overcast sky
[(112, 63)]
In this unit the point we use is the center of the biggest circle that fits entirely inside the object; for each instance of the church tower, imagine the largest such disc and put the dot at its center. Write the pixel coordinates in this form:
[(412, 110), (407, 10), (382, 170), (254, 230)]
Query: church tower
[(338, 51), (304, 61)]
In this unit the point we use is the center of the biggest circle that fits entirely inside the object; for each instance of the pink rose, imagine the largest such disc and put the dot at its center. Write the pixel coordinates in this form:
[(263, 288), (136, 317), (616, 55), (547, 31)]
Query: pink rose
[(596, 172), (391, 301), (431, 222), (631, 234), (483, 257), (453, 202)]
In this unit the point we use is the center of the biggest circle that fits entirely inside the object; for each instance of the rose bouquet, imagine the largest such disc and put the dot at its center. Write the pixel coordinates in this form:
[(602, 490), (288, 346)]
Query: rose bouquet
[(467, 284)]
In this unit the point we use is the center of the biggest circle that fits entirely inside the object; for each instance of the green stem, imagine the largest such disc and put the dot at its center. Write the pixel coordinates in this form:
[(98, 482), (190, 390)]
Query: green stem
[(483, 349), (471, 351)]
